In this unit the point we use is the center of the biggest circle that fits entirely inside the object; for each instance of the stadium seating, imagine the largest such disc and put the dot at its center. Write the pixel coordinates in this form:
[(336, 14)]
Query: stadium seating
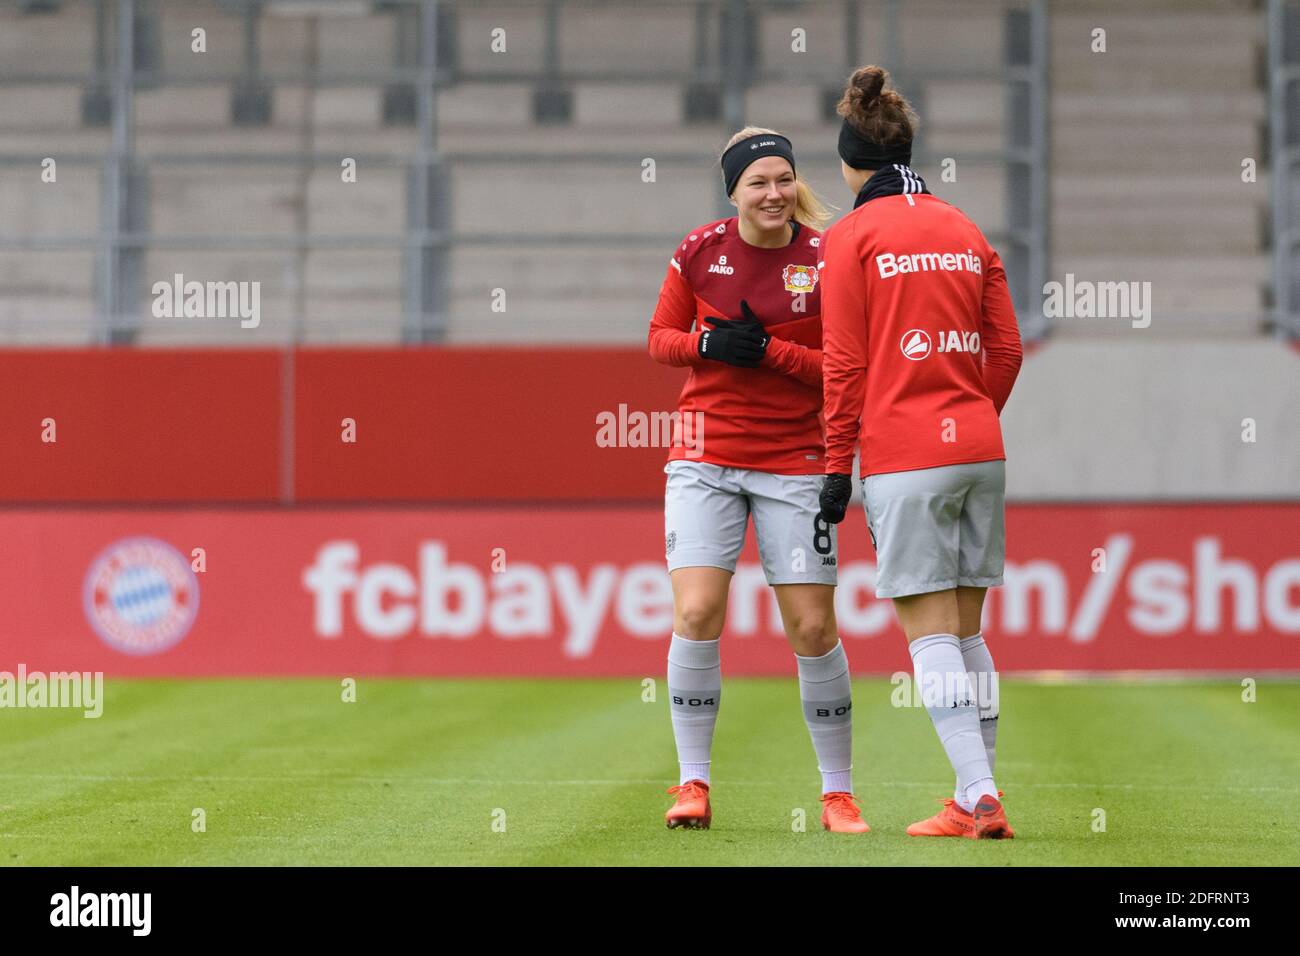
[(558, 215)]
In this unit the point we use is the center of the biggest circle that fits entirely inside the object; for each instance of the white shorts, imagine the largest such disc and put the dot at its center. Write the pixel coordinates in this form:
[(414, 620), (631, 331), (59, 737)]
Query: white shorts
[(706, 512), (937, 528)]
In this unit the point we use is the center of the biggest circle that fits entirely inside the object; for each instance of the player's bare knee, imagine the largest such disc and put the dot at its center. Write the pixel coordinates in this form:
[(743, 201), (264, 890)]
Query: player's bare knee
[(699, 621), (812, 635)]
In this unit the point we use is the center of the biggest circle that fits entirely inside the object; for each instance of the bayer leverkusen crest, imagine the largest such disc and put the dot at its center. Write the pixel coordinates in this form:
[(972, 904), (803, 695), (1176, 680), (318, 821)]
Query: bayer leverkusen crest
[(799, 278)]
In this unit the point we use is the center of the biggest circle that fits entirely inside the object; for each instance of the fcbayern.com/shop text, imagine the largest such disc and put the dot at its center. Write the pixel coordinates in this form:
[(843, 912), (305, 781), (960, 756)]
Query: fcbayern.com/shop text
[(437, 595)]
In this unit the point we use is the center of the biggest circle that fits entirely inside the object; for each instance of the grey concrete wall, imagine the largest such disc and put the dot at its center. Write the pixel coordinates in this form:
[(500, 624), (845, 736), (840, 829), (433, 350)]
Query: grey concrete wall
[(1128, 419)]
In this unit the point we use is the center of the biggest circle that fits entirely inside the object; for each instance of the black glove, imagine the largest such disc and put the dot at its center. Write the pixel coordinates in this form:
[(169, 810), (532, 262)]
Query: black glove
[(752, 321), (836, 492), (733, 342)]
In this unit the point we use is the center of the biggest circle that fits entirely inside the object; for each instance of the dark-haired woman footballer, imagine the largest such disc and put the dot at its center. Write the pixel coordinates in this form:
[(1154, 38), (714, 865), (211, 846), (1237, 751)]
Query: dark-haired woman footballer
[(740, 307), (921, 349)]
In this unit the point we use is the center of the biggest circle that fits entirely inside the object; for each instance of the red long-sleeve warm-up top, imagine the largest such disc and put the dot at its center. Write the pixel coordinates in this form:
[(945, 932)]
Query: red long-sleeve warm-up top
[(765, 418), (919, 337)]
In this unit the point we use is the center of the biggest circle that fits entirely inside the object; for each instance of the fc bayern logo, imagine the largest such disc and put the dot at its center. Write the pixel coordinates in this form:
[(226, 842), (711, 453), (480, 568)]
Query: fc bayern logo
[(915, 344), (140, 596)]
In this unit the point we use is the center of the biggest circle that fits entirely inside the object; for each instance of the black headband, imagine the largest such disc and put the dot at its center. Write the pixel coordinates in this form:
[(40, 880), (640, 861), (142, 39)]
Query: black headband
[(737, 158), (862, 152)]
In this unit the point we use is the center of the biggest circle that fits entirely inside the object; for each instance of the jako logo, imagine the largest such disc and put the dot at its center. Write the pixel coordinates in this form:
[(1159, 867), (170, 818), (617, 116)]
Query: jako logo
[(721, 267), (954, 341), (915, 344)]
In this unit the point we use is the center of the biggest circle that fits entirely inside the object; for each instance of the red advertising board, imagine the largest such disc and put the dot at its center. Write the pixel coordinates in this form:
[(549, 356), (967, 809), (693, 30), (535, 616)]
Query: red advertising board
[(583, 591), (151, 426)]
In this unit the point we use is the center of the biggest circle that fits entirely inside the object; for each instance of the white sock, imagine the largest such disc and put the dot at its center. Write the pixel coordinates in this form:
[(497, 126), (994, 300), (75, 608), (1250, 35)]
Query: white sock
[(694, 679), (950, 701), (979, 665), (825, 690)]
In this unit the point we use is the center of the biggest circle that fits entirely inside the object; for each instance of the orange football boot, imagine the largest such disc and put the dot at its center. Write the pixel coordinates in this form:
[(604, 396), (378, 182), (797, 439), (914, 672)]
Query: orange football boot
[(841, 815), (991, 820), (692, 809), (951, 821)]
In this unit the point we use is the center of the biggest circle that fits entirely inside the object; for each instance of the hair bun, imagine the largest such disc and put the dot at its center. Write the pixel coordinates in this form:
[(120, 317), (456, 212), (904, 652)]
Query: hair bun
[(867, 83), (884, 116)]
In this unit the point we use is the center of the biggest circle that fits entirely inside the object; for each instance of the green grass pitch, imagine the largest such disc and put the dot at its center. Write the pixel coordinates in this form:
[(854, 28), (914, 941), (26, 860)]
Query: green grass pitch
[(524, 772)]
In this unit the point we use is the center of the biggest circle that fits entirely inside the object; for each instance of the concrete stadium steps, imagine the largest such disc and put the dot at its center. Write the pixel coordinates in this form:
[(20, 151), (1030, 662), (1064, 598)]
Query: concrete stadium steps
[(1139, 191), (933, 36), (49, 43), (223, 200), (225, 39), (206, 108), (468, 105), (1209, 186), (590, 198), (524, 36), (47, 297), (285, 307), (1199, 289), (347, 40), (353, 317), (1112, 224), (628, 136), (1154, 142), (1191, 106), (973, 105), (1154, 46), (91, 145), (58, 273), (522, 270), (251, 200), (284, 273), (31, 207), (979, 191), (210, 333), (354, 276), (374, 204), (46, 321), (591, 38), (37, 109), (64, 41), (181, 109), (596, 39), (285, 142), (602, 321), (279, 299), (196, 118), (606, 294)]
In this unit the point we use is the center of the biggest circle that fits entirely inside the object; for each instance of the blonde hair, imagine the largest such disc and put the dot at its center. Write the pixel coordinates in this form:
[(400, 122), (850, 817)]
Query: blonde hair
[(809, 209)]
